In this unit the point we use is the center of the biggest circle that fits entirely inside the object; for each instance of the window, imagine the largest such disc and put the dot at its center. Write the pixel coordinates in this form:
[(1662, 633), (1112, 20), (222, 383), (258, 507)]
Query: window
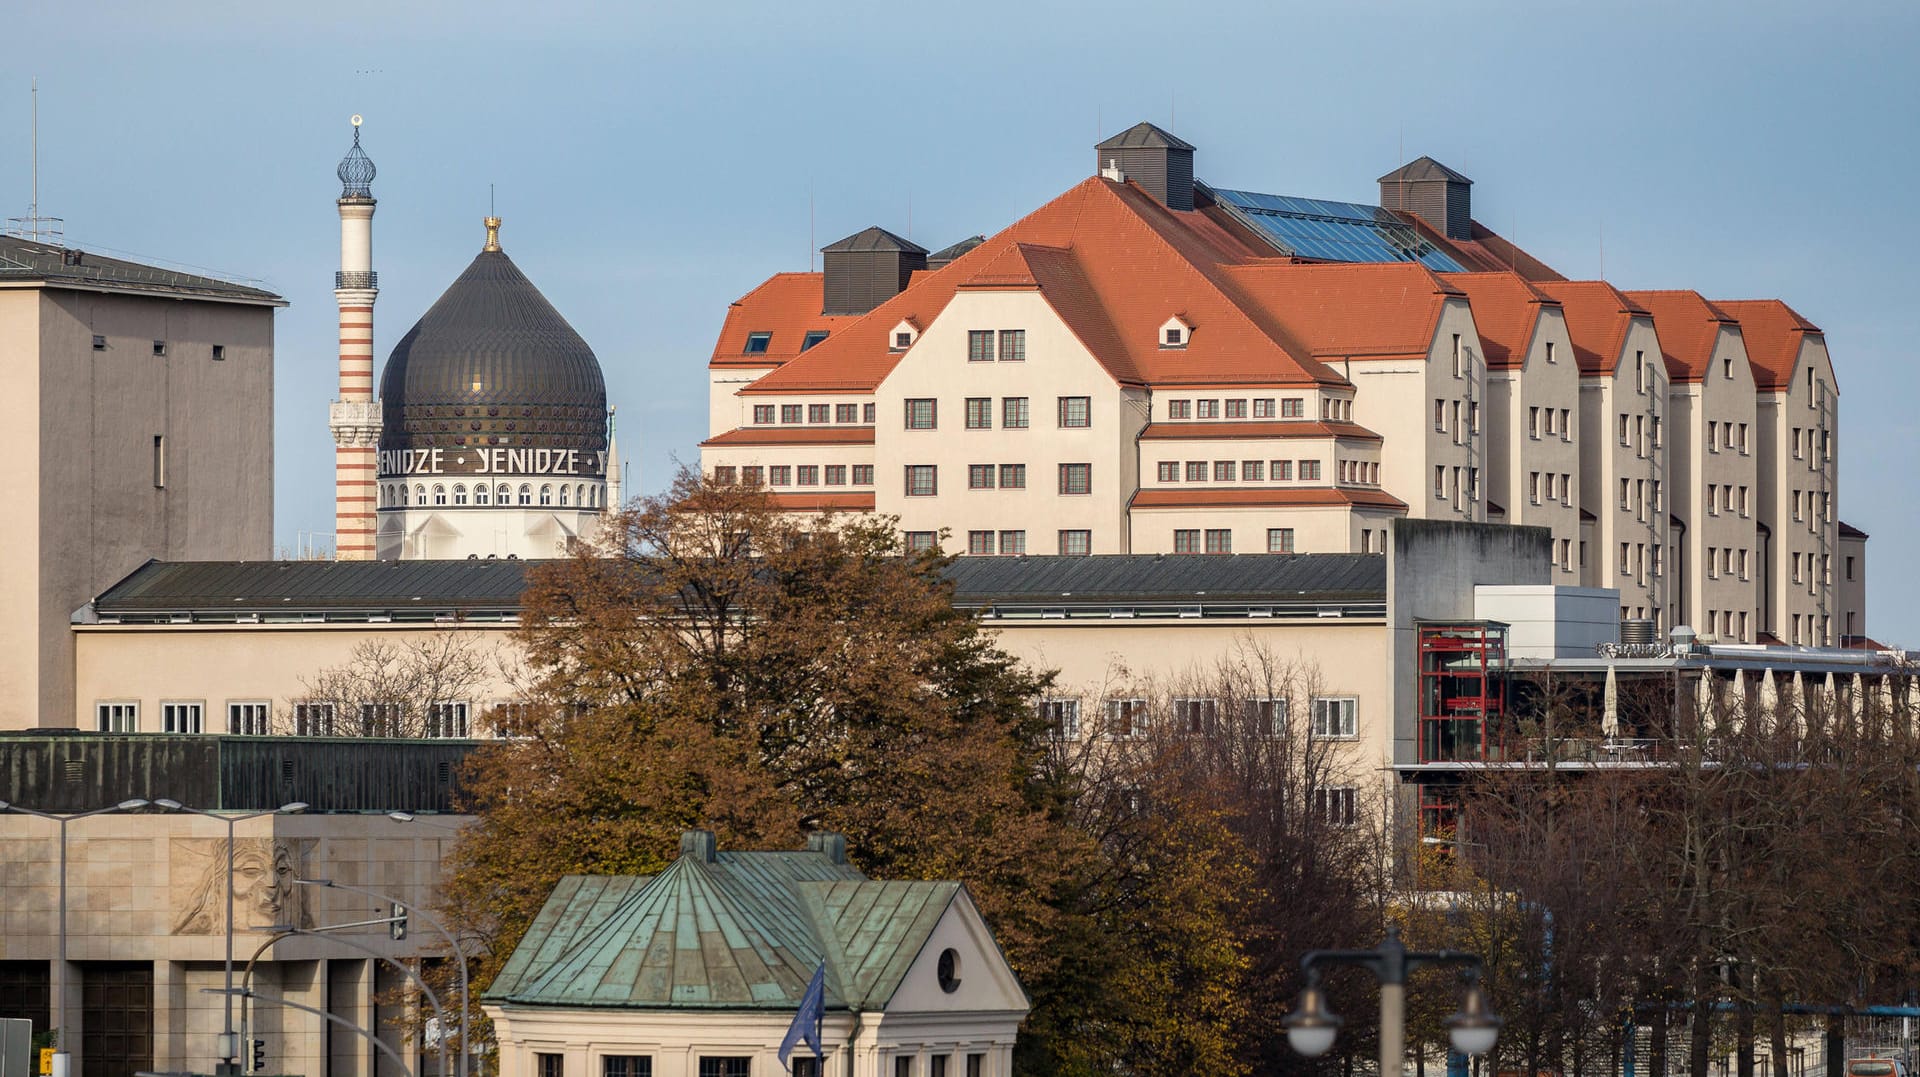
[(482, 492), (439, 494), (1533, 422), (1076, 543), (922, 480), (1253, 470), (814, 336), (1533, 487), (902, 1066), (1309, 471), (762, 414), (1279, 540), (846, 413), (219, 353), (1263, 408), (1440, 482), (1269, 716), (1196, 471), (1713, 500), (979, 413), (1199, 716), (1236, 409), (449, 720), (789, 413), (869, 413), (750, 475), (979, 476), (1623, 429), (1179, 409), (1013, 412), (1223, 471), (1013, 476), (631, 1065), (1796, 443), (819, 413), (976, 1064), (99, 342), (1208, 409), (1850, 575), (806, 475), (313, 719), (1566, 427), (902, 340), (1076, 412), (922, 414), (1335, 717), (1013, 543), (1125, 718), (1293, 407), (1169, 471), (1726, 367), (777, 475), (159, 461), (836, 474), (159, 348), (120, 716), (717, 1066), (460, 493), (1459, 358), (922, 540), (1174, 337), (979, 543), (179, 717), (757, 343), (1076, 478), (1282, 470), (1013, 345), (979, 345), (1333, 805), (249, 718), (1550, 357), (1186, 540), (1219, 540), (863, 474), (1062, 717)]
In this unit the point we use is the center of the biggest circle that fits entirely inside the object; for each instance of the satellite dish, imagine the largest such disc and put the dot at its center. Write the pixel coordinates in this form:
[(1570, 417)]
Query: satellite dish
[(356, 119)]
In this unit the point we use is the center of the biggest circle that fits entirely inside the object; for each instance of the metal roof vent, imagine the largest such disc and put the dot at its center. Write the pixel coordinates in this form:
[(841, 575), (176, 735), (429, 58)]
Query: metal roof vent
[(866, 269), (829, 844), (1434, 193), (1159, 162), (700, 845)]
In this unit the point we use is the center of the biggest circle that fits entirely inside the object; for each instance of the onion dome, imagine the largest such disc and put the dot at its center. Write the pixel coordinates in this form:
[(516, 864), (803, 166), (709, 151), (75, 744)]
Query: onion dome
[(356, 169), (493, 365)]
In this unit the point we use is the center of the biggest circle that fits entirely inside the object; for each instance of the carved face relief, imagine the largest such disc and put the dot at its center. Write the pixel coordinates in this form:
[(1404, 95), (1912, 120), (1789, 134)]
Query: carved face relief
[(262, 882)]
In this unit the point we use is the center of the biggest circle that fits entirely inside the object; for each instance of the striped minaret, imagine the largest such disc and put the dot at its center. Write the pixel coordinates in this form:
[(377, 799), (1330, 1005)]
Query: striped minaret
[(355, 416)]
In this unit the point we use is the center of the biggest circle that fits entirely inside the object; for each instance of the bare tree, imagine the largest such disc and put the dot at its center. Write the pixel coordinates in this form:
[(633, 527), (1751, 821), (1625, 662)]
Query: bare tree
[(425, 686)]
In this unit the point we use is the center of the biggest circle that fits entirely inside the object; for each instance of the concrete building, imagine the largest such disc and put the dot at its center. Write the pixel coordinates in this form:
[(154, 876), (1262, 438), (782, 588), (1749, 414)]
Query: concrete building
[(1148, 363), (145, 399)]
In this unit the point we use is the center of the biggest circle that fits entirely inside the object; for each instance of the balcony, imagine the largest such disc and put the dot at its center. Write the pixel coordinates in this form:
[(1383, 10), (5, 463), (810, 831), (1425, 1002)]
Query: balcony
[(367, 281)]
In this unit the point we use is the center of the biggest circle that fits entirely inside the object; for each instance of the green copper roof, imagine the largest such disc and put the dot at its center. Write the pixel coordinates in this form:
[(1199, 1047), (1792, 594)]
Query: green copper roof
[(724, 930)]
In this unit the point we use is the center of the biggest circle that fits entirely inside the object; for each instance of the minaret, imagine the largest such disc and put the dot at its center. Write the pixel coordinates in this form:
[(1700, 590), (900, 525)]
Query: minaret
[(613, 465), (355, 416)]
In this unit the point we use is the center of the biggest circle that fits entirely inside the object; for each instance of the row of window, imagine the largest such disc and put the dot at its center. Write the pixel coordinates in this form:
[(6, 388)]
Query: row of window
[(1635, 561), (1462, 430), (253, 718), (1004, 345), (1073, 412), (1813, 506), (552, 1064), (1562, 427), (795, 475), (395, 494), (1725, 561), (757, 342), (1070, 542), (790, 414), (1558, 487), (1728, 437), (218, 351), (1351, 471), (1728, 624), (923, 480), (1724, 499), (1287, 407), (1811, 578), (1456, 483), (1334, 717), (1641, 434), (1805, 440), (1640, 496), (1803, 629)]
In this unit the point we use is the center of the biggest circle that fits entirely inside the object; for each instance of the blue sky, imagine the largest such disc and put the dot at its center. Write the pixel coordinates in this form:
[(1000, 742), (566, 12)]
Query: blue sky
[(653, 162)]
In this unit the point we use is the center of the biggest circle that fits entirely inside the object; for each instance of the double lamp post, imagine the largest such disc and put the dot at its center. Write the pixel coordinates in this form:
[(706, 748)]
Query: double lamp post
[(1311, 1027)]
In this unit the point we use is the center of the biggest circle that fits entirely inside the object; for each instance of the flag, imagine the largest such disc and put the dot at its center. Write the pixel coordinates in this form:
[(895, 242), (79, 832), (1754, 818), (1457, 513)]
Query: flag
[(806, 1020)]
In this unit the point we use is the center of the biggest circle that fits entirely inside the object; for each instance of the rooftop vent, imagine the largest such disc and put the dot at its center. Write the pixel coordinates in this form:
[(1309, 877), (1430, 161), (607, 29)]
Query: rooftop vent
[(831, 845), (941, 258), (1159, 162), (866, 269), (1433, 192), (699, 844)]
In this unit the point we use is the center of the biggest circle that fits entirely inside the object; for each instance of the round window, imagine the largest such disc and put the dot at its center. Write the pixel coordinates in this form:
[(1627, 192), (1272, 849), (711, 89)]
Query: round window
[(949, 971)]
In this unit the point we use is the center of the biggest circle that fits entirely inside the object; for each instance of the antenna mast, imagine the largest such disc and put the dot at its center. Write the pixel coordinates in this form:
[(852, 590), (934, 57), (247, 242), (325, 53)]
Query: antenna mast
[(34, 226)]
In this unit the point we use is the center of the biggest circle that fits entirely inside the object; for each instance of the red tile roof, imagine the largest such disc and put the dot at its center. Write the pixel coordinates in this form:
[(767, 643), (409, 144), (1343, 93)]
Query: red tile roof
[(1282, 497), (786, 305), (1359, 310), (1505, 310), (1598, 317), (1688, 327), (1774, 333), (794, 435), (834, 502), (1278, 429)]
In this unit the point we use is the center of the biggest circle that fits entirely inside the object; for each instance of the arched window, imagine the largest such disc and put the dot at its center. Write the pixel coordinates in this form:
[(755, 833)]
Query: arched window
[(419, 495), (563, 494), (480, 493), (439, 494), (459, 493), (546, 495), (580, 496), (506, 494), (593, 496), (526, 494)]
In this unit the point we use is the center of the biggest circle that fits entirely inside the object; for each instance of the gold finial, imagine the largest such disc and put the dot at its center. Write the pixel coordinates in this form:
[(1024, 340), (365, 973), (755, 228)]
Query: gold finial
[(493, 234)]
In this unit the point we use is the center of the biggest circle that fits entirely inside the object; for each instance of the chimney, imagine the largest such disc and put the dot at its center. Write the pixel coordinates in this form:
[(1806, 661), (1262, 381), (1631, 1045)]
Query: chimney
[(700, 845), (1159, 162), (829, 844), (1433, 192), (866, 269)]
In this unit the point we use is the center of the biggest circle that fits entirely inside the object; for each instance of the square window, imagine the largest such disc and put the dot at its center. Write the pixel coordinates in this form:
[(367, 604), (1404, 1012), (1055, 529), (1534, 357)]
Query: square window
[(122, 716), (1309, 471), (249, 718), (1013, 476), (922, 414), (313, 719), (762, 414), (780, 475), (1279, 540), (789, 413), (979, 476), (1196, 717), (1186, 540), (1263, 408), (1333, 806), (1196, 471), (450, 720), (1293, 407), (819, 413), (751, 475), (863, 474), (1076, 478), (1269, 716), (1223, 471), (219, 353), (1013, 345), (918, 541), (1169, 471), (979, 543), (1013, 413), (1282, 470), (723, 475), (1219, 540), (1076, 543), (1179, 409), (1174, 337), (922, 480), (1076, 412), (1013, 543), (1209, 409), (980, 346), (1336, 717), (807, 475), (1062, 717), (902, 340), (757, 343), (1253, 470), (159, 348), (1236, 409), (177, 717), (979, 413), (846, 413), (99, 342), (836, 474), (1126, 718)]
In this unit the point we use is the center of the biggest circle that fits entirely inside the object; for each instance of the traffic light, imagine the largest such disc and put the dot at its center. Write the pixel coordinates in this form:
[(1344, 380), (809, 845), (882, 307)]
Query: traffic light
[(397, 926), (259, 1063)]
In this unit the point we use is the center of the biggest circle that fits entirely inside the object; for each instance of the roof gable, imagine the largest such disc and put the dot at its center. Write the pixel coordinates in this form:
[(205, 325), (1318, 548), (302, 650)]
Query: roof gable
[(1598, 317), (1506, 309), (1689, 329), (1774, 335), (876, 929)]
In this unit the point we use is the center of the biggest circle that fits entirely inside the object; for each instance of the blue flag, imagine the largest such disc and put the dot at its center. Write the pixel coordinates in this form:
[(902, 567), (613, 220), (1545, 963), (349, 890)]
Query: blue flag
[(806, 1020)]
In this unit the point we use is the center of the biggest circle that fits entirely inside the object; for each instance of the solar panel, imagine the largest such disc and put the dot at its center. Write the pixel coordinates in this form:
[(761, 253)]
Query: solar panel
[(1334, 231)]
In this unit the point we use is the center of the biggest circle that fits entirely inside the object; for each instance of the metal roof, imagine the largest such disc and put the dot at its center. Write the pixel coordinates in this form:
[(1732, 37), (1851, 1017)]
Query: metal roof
[(259, 587), (1213, 578), (28, 260), (874, 239), (1144, 136)]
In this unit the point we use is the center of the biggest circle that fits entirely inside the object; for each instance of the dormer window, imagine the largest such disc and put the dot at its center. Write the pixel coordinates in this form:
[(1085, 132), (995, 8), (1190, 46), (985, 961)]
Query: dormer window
[(904, 334), (757, 343), (1175, 333), (814, 336)]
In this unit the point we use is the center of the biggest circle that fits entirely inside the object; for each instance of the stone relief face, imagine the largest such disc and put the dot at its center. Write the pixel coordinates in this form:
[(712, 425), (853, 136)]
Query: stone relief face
[(263, 888)]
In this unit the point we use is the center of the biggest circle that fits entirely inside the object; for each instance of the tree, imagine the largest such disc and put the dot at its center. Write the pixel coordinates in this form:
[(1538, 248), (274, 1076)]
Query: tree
[(422, 687)]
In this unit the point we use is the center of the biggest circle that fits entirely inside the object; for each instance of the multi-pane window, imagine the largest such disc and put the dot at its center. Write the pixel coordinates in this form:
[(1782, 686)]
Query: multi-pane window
[(1333, 805), (806, 475), (868, 413), (122, 716), (846, 413), (789, 413), (249, 718), (979, 413), (922, 414), (836, 474), (720, 1066), (980, 346), (1186, 540), (762, 414), (1279, 540), (903, 340), (780, 475), (1076, 543), (1269, 716), (626, 1066), (1196, 715), (1062, 717), (863, 474), (1013, 476), (1169, 471), (1076, 478), (380, 719), (922, 540), (1196, 471), (922, 480), (979, 476), (819, 413), (181, 717), (1335, 716), (1013, 543), (313, 719), (1253, 470), (1236, 409), (1282, 470), (1013, 345), (750, 475), (449, 719), (1076, 412), (1179, 409), (979, 543), (1223, 471), (549, 1064), (1263, 408), (1293, 407), (1309, 471), (1219, 540), (1013, 412), (1209, 409), (1126, 718)]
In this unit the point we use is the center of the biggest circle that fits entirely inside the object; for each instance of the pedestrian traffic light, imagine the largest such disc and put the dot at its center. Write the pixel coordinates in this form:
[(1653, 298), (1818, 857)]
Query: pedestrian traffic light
[(259, 1063), (397, 926)]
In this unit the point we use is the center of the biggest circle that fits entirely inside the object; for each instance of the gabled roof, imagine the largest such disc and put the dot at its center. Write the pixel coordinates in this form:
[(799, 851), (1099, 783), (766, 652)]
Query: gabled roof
[(1506, 308), (873, 238), (1423, 168), (1143, 136), (1688, 327), (1598, 316), (1191, 497), (578, 905), (876, 929), (788, 306), (1339, 311), (1774, 334)]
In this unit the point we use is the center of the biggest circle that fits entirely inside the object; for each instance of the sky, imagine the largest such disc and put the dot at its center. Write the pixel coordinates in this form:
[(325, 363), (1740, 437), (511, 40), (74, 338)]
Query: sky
[(654, 162)]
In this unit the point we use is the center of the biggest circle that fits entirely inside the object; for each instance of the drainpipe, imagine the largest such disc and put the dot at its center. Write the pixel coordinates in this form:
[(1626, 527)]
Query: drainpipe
[(1679, 527), (1766, 578)]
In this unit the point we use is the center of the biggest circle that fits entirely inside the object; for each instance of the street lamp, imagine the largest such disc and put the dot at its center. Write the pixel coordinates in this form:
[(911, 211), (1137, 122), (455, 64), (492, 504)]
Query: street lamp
[(229, 1041), (280, 930), (62, 1058), (1311, 1027)]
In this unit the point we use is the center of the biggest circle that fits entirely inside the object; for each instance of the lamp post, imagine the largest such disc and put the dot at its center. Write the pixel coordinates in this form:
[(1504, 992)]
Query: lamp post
[(248, 993), (1311, 1027), (229, 1041), (281, 930), (62, 1058)]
